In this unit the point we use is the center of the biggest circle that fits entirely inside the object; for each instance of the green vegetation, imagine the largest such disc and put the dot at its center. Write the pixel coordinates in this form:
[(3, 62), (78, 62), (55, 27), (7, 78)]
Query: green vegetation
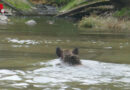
[(52, 2), (20, 4), (60, 2), (124, 12), (104, 23), (75, 3), (72, 4)]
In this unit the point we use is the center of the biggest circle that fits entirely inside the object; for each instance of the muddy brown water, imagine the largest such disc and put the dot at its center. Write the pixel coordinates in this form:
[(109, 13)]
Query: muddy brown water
[(28, 60)]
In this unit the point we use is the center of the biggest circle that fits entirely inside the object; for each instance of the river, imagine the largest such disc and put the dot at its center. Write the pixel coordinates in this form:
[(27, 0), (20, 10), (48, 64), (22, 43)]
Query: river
[(28, 60)]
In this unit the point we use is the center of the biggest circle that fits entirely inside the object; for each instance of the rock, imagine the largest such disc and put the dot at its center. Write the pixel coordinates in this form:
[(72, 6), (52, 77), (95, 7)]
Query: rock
[(46, 9), (50, 22), (31, 22), (3, 20)]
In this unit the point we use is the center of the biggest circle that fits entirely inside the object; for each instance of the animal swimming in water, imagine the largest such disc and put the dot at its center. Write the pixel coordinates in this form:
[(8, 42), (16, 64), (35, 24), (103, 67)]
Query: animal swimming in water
[(68, 56)]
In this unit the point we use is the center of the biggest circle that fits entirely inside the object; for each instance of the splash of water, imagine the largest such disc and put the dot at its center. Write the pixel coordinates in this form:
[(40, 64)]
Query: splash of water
[(90, 73)]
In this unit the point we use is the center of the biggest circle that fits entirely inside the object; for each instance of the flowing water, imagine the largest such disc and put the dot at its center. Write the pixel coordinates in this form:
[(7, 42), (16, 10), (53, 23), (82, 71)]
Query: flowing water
[(28, 60)]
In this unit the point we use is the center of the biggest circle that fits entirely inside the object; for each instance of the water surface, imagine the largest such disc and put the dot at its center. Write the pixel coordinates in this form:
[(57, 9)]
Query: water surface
[(28, 60)]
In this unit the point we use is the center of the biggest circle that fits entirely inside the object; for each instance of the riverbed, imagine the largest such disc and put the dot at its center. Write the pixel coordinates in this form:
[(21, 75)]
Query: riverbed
[(28, 60)]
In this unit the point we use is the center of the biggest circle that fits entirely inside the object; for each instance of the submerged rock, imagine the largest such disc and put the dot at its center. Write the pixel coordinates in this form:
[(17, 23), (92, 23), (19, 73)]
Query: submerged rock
[(31, 22), (3, 20)]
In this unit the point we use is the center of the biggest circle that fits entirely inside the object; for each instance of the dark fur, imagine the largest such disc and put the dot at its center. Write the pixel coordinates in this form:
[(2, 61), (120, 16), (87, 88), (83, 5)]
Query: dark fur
[(69, 57)]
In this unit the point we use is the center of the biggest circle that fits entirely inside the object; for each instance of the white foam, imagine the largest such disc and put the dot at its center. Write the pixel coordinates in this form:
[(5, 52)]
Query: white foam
[(27, 42), (24, 85), (7, 72), (108, 47), (12, 78), (42, 79), (20, 72), (90, 73)]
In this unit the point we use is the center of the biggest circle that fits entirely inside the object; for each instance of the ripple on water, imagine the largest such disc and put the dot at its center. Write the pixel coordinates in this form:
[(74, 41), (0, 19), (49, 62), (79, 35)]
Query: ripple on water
[(15, 40), (90, 73)]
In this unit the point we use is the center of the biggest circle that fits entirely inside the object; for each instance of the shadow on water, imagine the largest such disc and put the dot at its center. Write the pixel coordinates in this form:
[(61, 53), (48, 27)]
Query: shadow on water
[(26, 53)]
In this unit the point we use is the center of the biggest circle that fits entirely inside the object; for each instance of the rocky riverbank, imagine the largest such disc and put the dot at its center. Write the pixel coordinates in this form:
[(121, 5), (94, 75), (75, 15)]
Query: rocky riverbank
[(18, 7)]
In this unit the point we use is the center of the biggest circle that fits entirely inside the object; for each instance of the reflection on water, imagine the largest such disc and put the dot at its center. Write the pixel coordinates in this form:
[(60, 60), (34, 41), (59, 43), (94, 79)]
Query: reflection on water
[(27, 53)]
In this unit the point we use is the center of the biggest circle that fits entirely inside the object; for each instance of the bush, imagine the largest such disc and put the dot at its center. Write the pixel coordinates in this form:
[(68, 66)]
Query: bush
[(20, 4), (104, 23), (52, 2), (72, 4), (124, 12)]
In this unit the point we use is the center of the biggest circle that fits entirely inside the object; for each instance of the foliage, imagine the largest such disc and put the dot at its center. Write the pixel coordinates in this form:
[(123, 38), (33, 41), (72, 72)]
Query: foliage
[(122, 13), (60, 2), (52, 2), (104, 23), (75, 3), (71, 4), (20, 4)]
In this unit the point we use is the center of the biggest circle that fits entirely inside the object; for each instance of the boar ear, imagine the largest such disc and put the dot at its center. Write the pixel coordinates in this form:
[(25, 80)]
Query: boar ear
[(75, 51), (58, 52)]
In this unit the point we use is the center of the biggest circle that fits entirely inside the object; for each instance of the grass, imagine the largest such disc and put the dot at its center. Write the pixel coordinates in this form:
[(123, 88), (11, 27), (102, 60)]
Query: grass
[(56, 2), (60, 2), (72, 4), (75, 3), (104, 23), (20, 4)]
